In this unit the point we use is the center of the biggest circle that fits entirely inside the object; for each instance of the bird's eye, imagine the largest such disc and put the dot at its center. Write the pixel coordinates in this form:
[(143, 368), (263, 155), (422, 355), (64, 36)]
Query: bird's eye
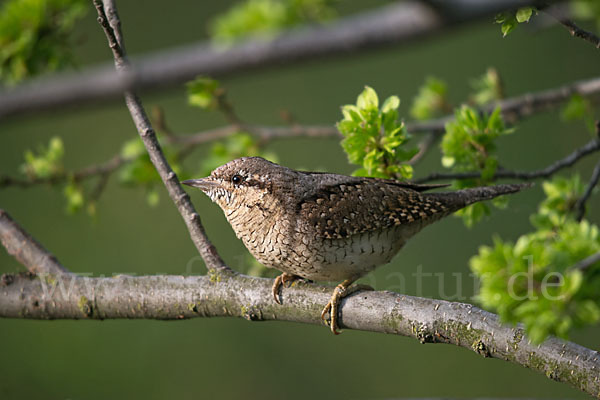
[(236, 179)]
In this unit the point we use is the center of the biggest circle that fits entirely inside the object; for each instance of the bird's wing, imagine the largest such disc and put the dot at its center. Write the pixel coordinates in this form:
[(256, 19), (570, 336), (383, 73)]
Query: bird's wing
[(343, 209)]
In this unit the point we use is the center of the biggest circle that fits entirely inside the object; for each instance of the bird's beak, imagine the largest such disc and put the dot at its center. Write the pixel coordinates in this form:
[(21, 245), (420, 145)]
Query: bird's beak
[(204, 184)]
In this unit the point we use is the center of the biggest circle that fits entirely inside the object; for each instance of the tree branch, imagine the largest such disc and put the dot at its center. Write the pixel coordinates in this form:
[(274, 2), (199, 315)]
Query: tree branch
[(225, 295), (25, 249), (589, 148), (178, 195), (559, 14), (395, 23), (580, 205), (518, 107), (513, 109)]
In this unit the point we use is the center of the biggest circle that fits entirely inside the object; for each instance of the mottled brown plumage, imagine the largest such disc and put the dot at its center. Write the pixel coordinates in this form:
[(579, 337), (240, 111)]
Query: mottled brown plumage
[(327, 227)]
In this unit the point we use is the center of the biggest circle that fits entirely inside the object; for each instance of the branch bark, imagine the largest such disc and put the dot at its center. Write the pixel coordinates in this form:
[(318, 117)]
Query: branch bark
[(225, 295), (111, 25), (558, 13), (26, 249), (396, 23), (589, 148)]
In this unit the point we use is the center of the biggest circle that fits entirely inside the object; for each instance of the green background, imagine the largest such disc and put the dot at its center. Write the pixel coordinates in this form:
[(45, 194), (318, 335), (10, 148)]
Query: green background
[(233, 358)]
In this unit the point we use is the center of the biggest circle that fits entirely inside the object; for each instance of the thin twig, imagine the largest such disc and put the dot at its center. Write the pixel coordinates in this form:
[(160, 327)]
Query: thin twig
[(424, 147), (586, 262), (142, 123), (513, 109), (558, 14), (103, 169), (26, 249), (581, 202), (589, 148)]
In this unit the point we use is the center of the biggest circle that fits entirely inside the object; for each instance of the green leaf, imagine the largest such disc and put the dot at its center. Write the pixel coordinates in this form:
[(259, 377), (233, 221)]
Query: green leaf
[(391, 103), (524, 14), (508, 26), (367, 99)]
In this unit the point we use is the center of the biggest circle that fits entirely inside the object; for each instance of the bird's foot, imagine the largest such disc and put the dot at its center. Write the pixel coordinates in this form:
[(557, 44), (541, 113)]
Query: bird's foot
[(332, 308), (283, 280)]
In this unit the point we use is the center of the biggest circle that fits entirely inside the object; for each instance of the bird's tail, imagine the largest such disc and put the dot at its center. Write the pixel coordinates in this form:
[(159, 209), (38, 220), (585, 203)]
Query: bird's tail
[(461, 198)]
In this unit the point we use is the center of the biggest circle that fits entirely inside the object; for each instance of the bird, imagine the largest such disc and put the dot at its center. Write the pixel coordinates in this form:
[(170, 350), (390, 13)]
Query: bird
[(327, 227)]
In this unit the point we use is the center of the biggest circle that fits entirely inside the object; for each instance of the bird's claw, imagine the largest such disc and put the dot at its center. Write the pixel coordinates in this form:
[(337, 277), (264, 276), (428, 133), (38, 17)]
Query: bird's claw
[(283, 280), (332, 308)]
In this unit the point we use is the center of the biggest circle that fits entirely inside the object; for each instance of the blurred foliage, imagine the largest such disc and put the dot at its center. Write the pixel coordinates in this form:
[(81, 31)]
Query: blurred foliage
[(586, 10), (203, 92), (533, 280), (469, 145), (36, 36), (240, 144), (431, 100), (487, 88), (375, 139), (139, 170), (266, 18), (73, 193), (579, 108), (46, 162)]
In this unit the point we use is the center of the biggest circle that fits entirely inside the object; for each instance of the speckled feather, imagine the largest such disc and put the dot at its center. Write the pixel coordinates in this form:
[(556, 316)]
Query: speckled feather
[(351, 206)]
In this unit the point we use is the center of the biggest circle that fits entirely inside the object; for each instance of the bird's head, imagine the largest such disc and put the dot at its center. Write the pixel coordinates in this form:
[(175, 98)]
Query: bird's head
[(244, 181)]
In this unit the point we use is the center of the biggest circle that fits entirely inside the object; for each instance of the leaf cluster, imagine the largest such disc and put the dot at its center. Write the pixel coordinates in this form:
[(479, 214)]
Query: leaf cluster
[(533, 280), (35, 36), (509, 20), (374, 138), (469, 144), (47, 161)]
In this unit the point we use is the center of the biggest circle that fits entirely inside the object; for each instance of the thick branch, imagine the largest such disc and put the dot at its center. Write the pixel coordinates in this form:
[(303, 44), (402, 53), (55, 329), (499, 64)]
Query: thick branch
[(144, 128), (589, 148), (25, 249), (224, 295), (396, 23)]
